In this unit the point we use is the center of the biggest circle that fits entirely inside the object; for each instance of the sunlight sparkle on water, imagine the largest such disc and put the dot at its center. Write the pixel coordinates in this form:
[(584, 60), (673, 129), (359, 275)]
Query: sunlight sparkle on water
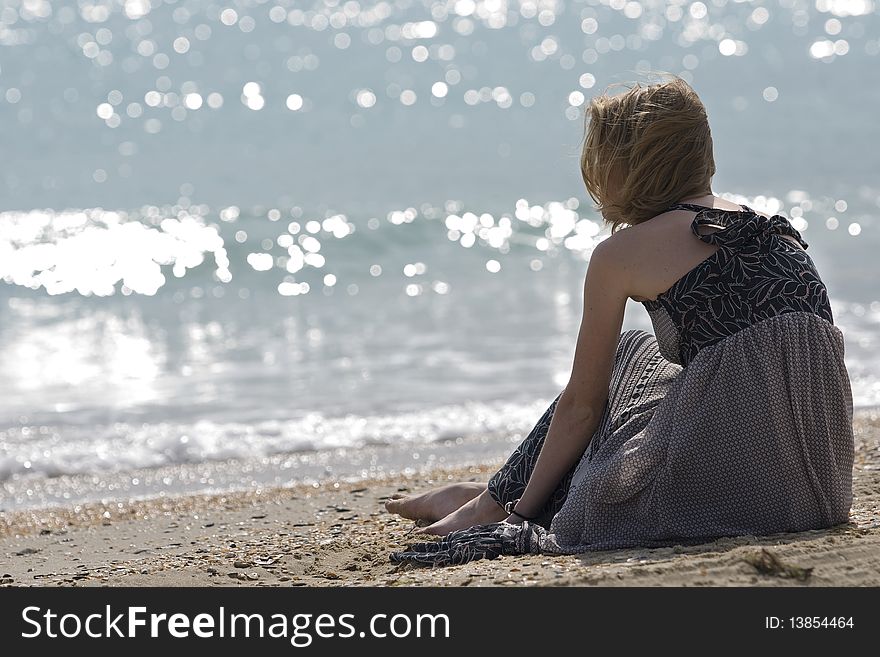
[(106, 34), (93, 251)]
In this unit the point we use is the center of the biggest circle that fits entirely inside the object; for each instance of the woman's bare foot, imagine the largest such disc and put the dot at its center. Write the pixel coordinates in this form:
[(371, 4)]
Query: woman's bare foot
[(436, 503), (480, 510)]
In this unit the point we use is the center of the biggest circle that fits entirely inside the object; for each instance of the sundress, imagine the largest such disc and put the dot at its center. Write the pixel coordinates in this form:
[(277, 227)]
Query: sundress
[(733, 418)]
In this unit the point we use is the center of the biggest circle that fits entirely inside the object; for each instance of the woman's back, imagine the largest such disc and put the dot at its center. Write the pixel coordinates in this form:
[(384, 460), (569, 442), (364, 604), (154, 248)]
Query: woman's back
[(753, 267), (674, 250)]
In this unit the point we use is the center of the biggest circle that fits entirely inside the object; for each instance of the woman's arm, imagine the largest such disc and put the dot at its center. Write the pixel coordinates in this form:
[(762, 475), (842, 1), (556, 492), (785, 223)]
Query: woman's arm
[(581, 403)]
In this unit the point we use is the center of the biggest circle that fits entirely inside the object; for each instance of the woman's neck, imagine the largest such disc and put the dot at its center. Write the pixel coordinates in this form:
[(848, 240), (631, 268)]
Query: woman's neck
[(698, 199)]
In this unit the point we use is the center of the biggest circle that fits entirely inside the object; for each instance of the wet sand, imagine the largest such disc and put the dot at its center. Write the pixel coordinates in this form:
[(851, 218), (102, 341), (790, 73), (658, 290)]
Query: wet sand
[(340, 535)]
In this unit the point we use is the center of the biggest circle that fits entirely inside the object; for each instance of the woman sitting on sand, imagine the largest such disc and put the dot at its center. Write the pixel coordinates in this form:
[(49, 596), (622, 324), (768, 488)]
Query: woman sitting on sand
[(735, 419)]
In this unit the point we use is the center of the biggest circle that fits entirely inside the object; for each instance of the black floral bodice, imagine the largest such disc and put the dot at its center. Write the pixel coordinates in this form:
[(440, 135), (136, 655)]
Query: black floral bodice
[(755, 274)]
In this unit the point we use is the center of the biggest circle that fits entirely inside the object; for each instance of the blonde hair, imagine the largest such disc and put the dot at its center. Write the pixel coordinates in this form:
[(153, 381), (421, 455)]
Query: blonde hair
[(645, 150)]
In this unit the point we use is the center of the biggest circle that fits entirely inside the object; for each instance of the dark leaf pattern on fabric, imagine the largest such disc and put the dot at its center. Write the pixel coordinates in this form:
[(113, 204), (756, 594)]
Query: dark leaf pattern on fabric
[(755, 274)]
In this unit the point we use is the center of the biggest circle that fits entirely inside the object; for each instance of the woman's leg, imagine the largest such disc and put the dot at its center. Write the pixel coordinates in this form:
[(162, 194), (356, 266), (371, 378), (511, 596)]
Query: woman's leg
[(481, 510), (508, 484), (435, 504)]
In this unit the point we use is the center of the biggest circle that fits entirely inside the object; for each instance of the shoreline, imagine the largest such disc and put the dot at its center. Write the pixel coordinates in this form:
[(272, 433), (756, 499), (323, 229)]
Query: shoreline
[(339, 534)]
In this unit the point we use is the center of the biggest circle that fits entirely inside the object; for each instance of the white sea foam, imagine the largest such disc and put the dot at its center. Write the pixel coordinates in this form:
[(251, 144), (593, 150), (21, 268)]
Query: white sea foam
[(52, 450)]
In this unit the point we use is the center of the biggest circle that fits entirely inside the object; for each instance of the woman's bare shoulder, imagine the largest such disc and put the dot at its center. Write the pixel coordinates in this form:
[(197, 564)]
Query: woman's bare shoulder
[(624, 252), (627, 239)]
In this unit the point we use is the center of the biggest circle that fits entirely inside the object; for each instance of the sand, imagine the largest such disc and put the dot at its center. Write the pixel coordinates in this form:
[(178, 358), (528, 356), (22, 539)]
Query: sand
[(340, 535)]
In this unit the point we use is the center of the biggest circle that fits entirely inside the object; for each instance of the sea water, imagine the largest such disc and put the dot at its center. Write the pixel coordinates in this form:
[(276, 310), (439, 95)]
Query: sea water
[(253, 243)]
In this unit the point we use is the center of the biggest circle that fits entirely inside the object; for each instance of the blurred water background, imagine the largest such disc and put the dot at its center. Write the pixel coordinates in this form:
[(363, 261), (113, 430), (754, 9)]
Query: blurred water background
[(250, 243)]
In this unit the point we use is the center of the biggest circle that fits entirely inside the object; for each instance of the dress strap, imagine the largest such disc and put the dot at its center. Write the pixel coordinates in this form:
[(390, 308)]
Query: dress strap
[(735, 228)]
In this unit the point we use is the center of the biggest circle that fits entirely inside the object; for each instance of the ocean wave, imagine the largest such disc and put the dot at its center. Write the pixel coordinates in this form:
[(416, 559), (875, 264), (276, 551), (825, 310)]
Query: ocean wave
[(55, 451)]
